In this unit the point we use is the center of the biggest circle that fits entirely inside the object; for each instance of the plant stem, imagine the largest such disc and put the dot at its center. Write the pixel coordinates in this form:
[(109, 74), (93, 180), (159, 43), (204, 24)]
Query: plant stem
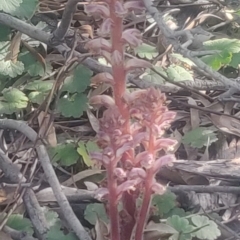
[(113, 203), (143, 215), (142, 218)]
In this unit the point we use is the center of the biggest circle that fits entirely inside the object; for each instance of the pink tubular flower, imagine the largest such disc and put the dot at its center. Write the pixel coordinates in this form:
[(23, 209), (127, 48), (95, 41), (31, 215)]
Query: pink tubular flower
[(132, 37), (97, 9), (99, 157), (126, 186), (135, 63), (104, 77), (134, 5), (147, 162), (98, 44), (103, 100), (165, 144), (105, 28), (119, 9), (137, 173), (162, 161), (101, 193), (120, 173), (158, 188)]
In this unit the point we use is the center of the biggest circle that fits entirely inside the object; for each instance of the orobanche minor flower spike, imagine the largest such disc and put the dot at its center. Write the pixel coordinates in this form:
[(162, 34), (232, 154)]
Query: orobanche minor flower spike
[(131, 120)]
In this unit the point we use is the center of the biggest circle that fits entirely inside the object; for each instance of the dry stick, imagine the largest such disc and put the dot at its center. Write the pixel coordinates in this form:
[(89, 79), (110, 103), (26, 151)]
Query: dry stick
[(50, 175), (205, 189), (17, 235), (62, 29), (35, 212)]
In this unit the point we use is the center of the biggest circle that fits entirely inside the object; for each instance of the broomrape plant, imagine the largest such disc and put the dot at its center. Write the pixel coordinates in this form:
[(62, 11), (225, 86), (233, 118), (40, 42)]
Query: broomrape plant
[(131, 119)]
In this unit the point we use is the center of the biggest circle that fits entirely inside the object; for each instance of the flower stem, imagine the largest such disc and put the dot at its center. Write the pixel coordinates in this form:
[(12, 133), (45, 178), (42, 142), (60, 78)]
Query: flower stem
[(143, 215), (113, 203)]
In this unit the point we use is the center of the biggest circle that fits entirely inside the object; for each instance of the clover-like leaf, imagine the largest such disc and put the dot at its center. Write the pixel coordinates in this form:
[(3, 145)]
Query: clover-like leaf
[(208, 229), (13, 101), (26, 9), (146, 51), (73, 105), (95, 211), (79, 81), (9, 6), (51, 217), (66, 154), (11, 69), (153, 77), (178, 73), (165, 202), (5, 33), (55, 233), (175, 211), (231, 45), (180, 224), (19, 223), (218, 60), (40, 90), (200, 137)]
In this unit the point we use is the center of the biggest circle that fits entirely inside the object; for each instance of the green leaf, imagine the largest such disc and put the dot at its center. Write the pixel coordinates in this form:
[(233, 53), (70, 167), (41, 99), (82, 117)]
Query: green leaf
[(11, 69), (199, 137), (37, 97), (32, 66), (227, 48), (182, 59), (84, 150), (73, 106), (40, 86), (14, 95), (216, 61), (223, 44), (57, 234), (95, 211), (13, 101), (175, 211), (153, 77), (208, 229), (5, 33), (40, 90), (164, 202), (180, 224), (146, 51), (19, 223), (79, 81), (181, 236), (178, 73), (26, 9), (65, 154), (51, 217), (4, 49), (235, 61), (10, 6)]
